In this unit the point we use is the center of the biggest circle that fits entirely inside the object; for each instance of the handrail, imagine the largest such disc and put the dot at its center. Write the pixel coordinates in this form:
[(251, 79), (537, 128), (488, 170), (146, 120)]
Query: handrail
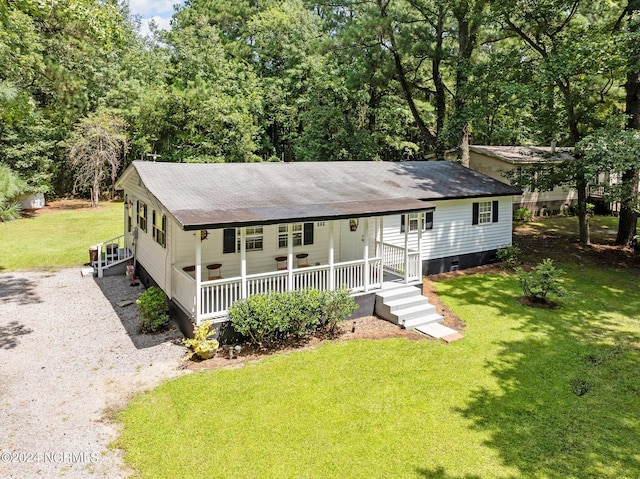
[(122, 252), (218, 294)]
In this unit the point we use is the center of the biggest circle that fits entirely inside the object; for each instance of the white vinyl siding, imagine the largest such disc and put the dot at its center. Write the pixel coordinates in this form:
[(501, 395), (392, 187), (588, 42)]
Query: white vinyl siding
[(155, 259), (257, 261), (453, 232)]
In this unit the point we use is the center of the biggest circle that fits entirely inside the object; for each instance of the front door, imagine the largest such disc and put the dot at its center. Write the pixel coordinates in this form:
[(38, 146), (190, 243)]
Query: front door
[(351, 241)]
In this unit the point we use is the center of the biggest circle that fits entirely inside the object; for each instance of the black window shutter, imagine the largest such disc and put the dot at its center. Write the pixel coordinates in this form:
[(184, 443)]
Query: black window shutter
[(428, 220), (476, 213), (495, 212), (229, 240), (402, 217), (308, 233)]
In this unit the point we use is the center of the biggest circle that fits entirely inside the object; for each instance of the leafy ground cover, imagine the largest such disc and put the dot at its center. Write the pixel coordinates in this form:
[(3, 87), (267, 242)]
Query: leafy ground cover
[(528, 393), (58, 236)]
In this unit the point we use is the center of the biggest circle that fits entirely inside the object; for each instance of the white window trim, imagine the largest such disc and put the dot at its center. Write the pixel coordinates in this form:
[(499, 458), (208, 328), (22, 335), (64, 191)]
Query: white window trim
[(297, 236), (485, 212), (251, 238)]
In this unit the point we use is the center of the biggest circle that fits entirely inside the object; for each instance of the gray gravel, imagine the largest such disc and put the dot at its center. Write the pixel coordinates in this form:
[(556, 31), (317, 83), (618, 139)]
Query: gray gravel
[(69, 356)]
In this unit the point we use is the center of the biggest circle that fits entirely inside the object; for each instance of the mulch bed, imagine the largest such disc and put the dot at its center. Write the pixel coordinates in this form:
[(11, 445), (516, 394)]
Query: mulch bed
[(368, 327)]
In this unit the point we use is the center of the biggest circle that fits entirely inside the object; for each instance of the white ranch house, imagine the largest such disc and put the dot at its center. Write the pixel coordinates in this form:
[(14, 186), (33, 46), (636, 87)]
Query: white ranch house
[(210, 234)]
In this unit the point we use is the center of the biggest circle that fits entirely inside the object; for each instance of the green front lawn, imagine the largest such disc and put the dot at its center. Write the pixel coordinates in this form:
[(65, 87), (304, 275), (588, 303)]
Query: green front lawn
[(57, 239), (501, 403)]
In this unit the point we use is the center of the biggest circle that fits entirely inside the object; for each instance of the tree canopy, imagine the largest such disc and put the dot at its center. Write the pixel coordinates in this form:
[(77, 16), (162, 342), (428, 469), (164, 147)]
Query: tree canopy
[(302, 80)]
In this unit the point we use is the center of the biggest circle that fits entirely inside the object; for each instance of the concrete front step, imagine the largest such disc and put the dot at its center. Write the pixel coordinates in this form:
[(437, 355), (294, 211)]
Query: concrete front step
[(422, 321), (398, 293), (405, 306)]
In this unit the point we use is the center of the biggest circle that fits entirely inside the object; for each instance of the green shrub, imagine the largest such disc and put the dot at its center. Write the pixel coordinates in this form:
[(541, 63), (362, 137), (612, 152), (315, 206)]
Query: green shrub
[(269, 317), (510, 254), (338, 305), (202, 345), (542, 280), (522, 214), (153, 308)]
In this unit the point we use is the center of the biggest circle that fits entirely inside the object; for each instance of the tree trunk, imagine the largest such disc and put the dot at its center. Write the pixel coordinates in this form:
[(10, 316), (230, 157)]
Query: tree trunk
[(583, 217), (441, 91), (628, 216), (462, 153), (468, 25)]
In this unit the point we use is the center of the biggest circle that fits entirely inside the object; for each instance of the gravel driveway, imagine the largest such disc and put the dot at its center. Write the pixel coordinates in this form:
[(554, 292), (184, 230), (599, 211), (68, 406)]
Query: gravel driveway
[(68, 356)]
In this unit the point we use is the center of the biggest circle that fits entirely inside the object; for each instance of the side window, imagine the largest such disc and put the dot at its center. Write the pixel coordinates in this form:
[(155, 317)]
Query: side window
[(142, 216), (159, 229), (484, 212), (412, 219)]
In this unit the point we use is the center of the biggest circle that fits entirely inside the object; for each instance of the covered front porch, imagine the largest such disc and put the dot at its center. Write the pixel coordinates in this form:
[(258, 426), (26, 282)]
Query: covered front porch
[(353, 254)]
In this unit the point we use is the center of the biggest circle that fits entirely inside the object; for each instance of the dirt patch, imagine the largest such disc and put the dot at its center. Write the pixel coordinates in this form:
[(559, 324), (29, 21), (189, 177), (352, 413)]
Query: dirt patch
[(560, 246), (55, 206)]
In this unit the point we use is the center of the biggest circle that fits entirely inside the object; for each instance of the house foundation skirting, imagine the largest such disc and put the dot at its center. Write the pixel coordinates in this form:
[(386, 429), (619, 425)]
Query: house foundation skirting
[(462, 261)]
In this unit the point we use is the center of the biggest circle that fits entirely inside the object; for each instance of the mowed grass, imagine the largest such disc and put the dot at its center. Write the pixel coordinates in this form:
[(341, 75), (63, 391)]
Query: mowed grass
[(501, 403), (59, 238)]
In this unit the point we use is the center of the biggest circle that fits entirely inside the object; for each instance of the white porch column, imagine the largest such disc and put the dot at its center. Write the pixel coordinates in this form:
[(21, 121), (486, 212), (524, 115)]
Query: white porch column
[(366, 255), (406, 248), (243, 262), (332, 278), (381, 242), (198, 275), (289, 256), (420, 227)]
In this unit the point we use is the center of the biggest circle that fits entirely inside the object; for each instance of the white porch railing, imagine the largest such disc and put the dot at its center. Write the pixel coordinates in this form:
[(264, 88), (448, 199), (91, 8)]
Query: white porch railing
[(113, 251), (218, 295), (394, 261)]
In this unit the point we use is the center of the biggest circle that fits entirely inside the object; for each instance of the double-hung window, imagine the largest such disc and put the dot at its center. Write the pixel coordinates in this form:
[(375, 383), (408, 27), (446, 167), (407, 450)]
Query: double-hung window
[(414, 220), (296, 236), (159, 228), (253, 238), (142, 215), (485, 212)]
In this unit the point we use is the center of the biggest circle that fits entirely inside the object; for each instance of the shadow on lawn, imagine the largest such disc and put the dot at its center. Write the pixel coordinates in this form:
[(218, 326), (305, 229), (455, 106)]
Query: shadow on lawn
[(18, 290), (440, 473), (569, 404)]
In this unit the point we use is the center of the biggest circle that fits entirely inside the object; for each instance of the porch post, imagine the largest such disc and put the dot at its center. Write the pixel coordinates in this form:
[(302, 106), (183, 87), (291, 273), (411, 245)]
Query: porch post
[(366, 255), (406, 248), (198, 275), (420, 227), (289, 256), (381, 250), (100, 273), (243, 262), (332, 279)]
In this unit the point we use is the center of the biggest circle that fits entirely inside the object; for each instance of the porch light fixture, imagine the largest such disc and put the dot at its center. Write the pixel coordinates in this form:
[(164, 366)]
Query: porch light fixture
[(204, 234), (353, 224)]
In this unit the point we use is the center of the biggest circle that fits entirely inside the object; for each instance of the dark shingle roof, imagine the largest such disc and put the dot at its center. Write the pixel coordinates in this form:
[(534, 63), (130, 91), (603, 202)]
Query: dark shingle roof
[(229, 194)]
